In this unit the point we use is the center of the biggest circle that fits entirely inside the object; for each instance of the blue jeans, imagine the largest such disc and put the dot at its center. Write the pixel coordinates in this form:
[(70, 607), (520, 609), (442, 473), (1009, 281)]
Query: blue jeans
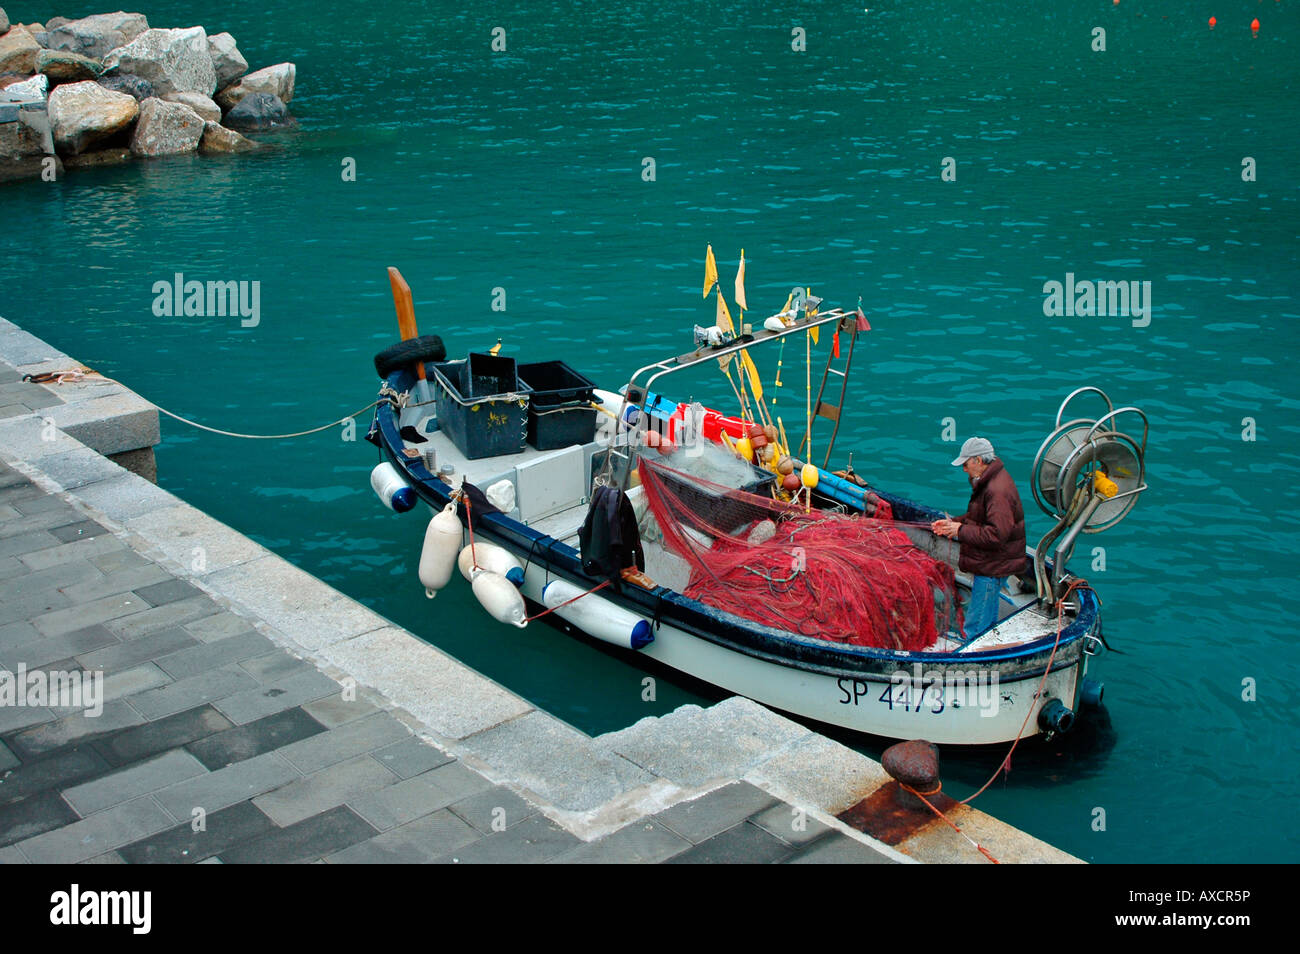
[(982, 612)]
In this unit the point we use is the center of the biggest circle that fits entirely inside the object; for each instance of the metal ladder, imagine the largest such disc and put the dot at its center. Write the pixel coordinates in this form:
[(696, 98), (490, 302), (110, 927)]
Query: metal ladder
[(847, 323)]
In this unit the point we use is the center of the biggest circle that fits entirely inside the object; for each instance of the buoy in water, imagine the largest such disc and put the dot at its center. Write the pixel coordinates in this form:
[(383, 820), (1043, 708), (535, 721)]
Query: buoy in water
[(1213, 22), (1254, 25), (393, 492), (491, 557), (499, 597), (441, 544)]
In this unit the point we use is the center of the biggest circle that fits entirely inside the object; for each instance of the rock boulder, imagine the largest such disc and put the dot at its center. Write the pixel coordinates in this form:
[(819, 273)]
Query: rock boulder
[(135, 87), (18, 49), (96, 36), (226, 59), (205, 107), (217, 139), (174, 61), (33, 88), (4, 21), (99, 157), (62, 66), (18, 140), (84, 113), (166, 129), (277, 80), (258, 111)]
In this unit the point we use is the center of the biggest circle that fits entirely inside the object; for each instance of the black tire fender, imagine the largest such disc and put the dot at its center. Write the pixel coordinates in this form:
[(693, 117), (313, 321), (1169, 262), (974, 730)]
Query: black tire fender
[(423, 348)]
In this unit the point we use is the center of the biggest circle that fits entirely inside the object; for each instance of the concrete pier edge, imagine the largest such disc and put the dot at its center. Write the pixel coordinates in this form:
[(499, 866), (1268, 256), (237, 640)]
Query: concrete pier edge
[(591, 786)]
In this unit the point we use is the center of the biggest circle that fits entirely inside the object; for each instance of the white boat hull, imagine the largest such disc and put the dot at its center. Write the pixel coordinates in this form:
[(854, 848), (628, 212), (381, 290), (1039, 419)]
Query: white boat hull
[(961, 704)]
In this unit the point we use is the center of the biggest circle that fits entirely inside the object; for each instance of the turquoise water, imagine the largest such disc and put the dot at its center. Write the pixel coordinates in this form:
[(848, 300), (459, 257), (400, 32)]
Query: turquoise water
[(523, 170)]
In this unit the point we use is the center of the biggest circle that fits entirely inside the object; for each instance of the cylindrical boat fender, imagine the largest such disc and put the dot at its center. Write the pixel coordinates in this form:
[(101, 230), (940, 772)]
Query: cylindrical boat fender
[(391, 489), (499, 597), (1055, 716), (490, 557), (1090, 692), (596, 616), (441, 544)]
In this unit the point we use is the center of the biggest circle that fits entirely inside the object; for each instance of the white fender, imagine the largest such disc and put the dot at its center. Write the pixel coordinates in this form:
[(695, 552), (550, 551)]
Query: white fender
[(500, 598), (441, 544), (490, 557), (596, 616), (393, 492)]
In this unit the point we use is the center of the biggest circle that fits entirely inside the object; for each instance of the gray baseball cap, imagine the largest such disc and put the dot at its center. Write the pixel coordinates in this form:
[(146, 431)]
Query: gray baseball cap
[(975, 447)]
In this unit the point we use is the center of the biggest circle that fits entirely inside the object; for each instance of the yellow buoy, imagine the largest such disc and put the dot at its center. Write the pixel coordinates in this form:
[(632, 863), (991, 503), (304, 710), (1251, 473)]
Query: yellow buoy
[(809, 476), (745, 449)]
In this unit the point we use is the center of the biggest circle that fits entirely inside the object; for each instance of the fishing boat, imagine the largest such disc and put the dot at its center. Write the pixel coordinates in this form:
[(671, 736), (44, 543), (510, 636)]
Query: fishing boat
[(679, 535)]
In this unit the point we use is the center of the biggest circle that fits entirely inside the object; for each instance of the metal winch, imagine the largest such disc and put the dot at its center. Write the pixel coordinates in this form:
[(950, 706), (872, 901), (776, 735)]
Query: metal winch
[(1088, 475)]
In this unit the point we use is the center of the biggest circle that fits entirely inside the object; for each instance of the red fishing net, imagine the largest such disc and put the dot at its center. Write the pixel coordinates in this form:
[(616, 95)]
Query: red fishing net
[(834, 576)]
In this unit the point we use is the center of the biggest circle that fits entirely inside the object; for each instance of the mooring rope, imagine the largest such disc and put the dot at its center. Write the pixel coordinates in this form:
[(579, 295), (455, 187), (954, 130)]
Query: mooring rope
[(921, 795), (1005, 766), (80, 375)]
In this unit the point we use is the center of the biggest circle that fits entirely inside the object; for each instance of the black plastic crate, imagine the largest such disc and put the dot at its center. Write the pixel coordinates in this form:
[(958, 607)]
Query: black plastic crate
[(559, 410), (482, 424)]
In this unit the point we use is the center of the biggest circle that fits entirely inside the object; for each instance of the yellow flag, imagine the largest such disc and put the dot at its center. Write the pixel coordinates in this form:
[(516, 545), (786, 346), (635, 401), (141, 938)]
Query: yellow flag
[(724, 316), (812, 333), (725, 323), (710, 272), (740, 284), (788, 302), (755, 385)]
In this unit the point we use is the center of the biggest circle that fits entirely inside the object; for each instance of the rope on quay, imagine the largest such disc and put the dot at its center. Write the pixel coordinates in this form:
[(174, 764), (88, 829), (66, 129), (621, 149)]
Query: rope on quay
[(80, 375)]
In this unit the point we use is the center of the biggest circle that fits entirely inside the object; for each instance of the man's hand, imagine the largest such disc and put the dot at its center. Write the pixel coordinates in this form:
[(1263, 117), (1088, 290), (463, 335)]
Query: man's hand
[(945, 528)]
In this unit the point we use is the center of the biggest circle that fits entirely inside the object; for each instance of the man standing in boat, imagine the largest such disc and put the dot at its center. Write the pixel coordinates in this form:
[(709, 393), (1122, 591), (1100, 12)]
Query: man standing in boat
[(991, 532)]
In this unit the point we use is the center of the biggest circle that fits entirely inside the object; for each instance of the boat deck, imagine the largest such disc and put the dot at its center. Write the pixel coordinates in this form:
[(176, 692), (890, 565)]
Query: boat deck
[(552, 489)]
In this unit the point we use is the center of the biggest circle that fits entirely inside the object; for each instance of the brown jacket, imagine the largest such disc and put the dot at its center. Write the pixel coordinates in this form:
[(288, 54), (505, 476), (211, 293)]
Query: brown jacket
[(992, 532)]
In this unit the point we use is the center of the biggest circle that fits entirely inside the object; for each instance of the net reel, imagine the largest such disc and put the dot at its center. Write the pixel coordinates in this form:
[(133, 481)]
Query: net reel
[(1088, 475)]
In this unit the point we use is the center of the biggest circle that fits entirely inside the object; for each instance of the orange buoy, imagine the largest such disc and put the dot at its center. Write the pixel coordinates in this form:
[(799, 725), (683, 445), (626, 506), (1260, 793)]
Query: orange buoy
[(791, 482), (661, 442), (1254, 25), (1213, 21)]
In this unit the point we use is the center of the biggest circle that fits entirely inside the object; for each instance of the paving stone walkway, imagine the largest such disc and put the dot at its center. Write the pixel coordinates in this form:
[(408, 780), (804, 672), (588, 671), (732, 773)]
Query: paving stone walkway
[(215, 745)]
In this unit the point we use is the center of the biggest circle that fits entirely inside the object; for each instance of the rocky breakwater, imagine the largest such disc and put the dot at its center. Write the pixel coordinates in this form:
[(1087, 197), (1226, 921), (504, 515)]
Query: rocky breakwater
[(109, 88)]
